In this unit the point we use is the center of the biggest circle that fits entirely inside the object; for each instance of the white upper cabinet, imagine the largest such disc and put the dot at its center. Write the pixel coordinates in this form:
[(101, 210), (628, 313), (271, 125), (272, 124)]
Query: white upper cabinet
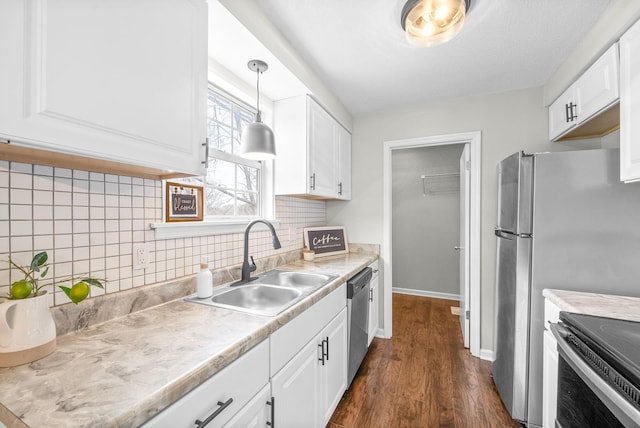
[(630, 105), (117, 81), (344, 163), (314, 151), (322, 151), (594, 92)]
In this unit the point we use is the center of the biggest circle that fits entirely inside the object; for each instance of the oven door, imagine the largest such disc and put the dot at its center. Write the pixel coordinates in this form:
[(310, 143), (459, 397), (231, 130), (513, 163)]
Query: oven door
[(584, 398)]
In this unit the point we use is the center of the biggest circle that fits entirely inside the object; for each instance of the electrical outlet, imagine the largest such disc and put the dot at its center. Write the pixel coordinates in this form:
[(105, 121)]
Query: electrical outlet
[(141, 256)]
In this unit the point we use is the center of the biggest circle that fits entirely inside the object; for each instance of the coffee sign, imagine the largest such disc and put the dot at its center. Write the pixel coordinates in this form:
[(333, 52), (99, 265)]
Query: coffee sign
[(326, 241)]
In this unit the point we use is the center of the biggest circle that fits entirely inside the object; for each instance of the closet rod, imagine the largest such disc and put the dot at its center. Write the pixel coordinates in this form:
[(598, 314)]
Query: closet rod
[(450, 174)]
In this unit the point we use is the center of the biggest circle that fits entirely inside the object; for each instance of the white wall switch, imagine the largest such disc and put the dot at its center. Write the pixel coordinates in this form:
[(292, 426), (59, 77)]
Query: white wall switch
[(141, 256)]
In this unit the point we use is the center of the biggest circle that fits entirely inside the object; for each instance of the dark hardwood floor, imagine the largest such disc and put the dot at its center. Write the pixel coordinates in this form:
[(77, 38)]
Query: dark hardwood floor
[(423, 376)]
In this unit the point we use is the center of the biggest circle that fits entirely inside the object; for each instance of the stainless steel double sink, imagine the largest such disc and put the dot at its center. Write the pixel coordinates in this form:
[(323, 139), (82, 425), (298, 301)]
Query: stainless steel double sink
[(269, 294)]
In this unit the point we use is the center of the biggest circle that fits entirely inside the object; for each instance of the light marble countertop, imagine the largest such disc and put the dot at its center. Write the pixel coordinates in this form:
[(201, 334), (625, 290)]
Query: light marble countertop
[(122, 372), (603, 305)]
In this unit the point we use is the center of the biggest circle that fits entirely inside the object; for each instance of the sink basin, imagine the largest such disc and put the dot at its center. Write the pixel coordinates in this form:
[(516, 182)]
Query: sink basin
[(298, 280), (256, 299), (269, 294)]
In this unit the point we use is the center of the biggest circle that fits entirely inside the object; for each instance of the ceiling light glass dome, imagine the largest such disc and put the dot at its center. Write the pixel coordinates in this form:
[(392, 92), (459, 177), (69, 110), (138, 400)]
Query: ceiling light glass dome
[(432, 22)]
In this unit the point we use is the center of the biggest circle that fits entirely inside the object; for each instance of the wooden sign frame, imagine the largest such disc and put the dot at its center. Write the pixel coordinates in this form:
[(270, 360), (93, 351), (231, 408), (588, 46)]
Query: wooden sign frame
[(183, 197), (326, 240)]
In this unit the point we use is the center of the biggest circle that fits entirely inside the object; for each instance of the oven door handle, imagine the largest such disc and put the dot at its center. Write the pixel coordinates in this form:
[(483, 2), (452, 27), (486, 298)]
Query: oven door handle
[(628, 415)]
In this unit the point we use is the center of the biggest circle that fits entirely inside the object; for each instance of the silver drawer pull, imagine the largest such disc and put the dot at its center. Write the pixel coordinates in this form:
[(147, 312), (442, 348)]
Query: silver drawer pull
[(213, 415)]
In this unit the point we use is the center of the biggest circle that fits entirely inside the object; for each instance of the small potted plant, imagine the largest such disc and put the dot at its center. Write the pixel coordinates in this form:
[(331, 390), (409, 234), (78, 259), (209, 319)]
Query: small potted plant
[(27, 329), (38, 269)]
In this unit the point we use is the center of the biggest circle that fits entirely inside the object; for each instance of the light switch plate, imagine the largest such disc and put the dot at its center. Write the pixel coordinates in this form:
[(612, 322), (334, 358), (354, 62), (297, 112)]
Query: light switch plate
[(141, 256)]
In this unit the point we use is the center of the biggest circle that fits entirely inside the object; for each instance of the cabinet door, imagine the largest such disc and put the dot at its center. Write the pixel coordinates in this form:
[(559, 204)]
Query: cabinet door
[(256, 414), (373, 307), (333, 373), (343, 142), (630, 105), (296, 390), (562, 114), (322, 164), (597, 88), (120, 81)]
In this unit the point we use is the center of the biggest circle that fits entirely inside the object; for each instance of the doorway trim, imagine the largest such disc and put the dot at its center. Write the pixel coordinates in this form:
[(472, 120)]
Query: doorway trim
[(474, 140)]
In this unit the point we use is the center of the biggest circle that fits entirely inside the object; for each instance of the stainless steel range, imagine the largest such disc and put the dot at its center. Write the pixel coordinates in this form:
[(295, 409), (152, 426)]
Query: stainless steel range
[(598, 372)]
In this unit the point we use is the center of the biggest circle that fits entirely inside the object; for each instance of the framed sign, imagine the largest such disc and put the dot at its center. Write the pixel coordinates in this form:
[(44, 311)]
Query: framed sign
[(327, 240), (183, 202)]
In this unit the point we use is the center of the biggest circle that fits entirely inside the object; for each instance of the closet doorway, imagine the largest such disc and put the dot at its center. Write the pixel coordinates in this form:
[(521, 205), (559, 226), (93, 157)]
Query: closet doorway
[(431, 237)]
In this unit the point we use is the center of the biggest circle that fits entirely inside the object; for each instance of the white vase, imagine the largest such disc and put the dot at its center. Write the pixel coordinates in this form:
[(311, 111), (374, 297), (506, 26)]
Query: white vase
[(27, 330)]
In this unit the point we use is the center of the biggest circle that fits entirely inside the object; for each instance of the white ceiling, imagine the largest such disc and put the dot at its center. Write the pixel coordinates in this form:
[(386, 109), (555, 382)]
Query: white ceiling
[(358, 49)]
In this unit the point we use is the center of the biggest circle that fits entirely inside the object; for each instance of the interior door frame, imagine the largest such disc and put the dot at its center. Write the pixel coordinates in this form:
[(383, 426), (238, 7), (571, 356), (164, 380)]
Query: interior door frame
[(474, 142)]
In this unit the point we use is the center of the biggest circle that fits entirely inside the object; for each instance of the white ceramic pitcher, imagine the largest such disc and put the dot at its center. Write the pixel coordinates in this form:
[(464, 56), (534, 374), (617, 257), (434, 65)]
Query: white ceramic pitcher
[(27, 330)]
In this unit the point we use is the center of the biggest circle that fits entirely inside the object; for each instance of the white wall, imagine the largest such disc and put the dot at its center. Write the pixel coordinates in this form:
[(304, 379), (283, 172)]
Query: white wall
[(426, 224), (509, 122)]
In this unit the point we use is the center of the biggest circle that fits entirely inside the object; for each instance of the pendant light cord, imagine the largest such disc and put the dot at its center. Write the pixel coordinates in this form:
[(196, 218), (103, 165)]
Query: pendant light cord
[(258, 115)]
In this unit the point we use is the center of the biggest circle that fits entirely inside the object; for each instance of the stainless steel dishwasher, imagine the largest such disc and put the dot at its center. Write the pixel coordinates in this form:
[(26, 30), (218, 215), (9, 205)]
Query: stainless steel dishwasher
[(358, 319)]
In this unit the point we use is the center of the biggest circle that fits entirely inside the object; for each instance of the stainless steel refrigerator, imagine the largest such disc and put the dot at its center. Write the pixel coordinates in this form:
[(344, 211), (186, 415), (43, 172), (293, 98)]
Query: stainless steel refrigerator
[(566, 222)]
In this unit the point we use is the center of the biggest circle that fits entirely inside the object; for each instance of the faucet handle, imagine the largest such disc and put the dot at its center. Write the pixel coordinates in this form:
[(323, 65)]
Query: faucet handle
[(253, 266)]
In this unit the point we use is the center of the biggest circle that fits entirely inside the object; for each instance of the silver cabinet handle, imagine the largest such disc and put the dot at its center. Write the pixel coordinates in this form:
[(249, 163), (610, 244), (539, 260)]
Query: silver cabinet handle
[(313, 181), (272, 403), (458, 248), (205, 162), (212, 416)]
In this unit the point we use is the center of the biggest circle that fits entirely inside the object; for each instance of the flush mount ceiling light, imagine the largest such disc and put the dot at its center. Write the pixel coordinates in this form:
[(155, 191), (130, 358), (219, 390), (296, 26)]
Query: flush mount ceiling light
[(432, 22), (257, 141)]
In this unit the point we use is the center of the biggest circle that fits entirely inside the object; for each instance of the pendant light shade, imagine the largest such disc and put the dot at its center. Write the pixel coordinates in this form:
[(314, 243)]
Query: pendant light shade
[(257, 140), (432, 22)]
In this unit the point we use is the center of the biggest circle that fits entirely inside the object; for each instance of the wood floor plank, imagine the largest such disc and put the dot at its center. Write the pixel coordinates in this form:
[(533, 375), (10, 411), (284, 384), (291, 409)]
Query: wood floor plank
[(423, 376)]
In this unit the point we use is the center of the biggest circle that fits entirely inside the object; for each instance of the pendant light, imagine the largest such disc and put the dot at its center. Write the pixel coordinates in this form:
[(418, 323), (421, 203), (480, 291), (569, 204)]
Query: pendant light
[(257, 141), (432, 22)]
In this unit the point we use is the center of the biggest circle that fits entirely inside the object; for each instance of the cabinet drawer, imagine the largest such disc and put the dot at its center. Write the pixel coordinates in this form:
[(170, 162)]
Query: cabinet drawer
[(290, 339), (239, 381)]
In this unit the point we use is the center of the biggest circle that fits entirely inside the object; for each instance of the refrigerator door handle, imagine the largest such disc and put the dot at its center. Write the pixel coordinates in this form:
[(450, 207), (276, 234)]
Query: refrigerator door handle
[(501, 233)]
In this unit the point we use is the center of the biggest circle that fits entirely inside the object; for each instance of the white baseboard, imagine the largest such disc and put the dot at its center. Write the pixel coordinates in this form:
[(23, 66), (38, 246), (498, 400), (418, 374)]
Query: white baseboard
[(487, 354), (434, 294)]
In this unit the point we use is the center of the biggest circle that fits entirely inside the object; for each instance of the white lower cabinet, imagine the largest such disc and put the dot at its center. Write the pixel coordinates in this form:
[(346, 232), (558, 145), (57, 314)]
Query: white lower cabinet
[(308, 389), (374, 298), (222, 396), (295, 390), (333, 374), (295, 378), (549, 367)]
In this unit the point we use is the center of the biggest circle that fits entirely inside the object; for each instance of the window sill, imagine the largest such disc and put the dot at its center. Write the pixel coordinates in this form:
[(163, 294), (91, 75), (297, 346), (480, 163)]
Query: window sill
[(205, 228)]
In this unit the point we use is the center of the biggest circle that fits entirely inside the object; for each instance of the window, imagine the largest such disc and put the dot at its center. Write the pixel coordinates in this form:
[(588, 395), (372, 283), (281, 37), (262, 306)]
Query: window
[(233, 185)]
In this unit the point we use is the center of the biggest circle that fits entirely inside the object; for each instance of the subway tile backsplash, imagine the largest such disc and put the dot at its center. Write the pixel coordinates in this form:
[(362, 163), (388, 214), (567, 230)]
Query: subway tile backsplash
[(88, 222)]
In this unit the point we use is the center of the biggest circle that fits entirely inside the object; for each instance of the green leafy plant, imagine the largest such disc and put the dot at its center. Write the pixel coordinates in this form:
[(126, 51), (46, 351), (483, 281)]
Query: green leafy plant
[(37, 270)]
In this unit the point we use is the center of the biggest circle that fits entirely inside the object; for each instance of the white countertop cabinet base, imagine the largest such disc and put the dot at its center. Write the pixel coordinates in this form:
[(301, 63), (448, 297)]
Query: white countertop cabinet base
[(308, 389), (116, 81), (374, 302)]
